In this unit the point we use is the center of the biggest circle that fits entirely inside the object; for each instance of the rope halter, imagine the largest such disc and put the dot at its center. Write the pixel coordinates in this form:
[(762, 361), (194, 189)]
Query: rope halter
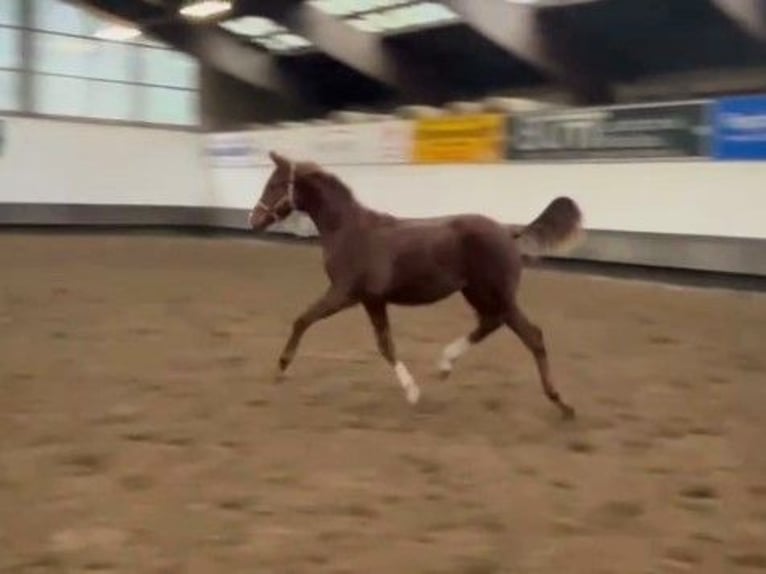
[(288, 197)]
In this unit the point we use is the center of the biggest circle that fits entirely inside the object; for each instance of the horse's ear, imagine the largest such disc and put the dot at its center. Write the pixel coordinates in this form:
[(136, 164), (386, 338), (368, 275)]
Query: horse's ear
[(278, 159)]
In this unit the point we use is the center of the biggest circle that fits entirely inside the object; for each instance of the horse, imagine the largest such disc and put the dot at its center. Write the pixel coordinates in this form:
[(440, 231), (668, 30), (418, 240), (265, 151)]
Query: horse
[(376, 260)]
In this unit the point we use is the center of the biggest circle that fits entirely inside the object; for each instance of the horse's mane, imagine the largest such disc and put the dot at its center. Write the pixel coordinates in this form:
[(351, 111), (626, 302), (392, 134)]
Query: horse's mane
[(335, 184), (327, 179)]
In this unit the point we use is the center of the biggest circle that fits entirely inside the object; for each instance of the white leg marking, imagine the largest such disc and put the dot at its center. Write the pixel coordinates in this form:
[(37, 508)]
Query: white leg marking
[(452, 352), (411, 389)]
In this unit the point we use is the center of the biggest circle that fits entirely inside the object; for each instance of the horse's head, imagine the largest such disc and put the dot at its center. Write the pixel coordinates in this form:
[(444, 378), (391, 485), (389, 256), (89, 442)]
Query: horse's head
[(277, 199), (302, 186)]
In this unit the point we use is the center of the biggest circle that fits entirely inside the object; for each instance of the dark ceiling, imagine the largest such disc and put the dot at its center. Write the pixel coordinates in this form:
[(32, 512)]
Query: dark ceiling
[(633, 38), (496, 46), (468, 61)]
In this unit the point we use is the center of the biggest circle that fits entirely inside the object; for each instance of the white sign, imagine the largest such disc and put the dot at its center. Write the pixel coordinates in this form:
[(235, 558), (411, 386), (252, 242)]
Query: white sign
[(230, 149), (355, 144), (386, 142)]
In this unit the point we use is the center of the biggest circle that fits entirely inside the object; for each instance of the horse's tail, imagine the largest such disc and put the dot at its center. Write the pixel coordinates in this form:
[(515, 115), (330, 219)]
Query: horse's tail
[(557, 230)]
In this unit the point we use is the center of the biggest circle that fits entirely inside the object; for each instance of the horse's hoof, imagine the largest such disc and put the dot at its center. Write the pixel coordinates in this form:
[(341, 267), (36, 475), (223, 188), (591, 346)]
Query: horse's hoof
[(568, 413), (444, 367), (413, 394), (280, 376)]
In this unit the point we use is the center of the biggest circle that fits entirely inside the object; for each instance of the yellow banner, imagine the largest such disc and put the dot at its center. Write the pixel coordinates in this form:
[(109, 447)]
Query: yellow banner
[(456, 139)]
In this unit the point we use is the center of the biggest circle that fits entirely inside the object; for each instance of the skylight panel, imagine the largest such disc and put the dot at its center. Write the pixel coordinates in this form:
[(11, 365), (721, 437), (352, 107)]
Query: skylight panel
[(285, 42), (343, 8), (411, 15), (203, 9), (266, 33), (252, 26), (365, 24), (551, 3)]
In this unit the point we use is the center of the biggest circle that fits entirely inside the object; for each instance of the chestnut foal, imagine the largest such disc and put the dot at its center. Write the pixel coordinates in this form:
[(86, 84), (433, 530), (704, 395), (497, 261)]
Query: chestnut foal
[(376, 259)]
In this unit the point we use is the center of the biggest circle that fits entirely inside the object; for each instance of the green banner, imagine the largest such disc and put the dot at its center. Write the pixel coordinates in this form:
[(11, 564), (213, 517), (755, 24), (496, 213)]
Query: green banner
[(625, 132)]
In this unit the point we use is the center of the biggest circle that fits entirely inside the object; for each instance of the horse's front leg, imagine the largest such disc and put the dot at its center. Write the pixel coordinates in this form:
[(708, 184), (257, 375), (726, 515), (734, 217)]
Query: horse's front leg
[(332, 302), (379, 318)]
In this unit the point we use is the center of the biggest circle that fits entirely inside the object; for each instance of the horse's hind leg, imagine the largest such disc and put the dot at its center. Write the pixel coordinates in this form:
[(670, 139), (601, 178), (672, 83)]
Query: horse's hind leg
[(488, 324), (532, 337), (378, 315)]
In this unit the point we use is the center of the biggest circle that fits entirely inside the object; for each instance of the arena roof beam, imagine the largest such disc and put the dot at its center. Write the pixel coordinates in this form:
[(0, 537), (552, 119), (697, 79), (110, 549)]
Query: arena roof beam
[(361, 51), (750, 15), (519, 29), (211, 45)]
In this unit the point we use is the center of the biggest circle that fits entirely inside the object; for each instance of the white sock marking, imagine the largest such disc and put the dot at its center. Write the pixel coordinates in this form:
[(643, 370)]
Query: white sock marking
[(411, 389), (452, 352)]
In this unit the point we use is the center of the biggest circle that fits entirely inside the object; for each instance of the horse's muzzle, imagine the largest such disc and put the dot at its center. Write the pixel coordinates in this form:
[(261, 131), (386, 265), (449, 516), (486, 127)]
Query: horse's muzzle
[(258, 220)]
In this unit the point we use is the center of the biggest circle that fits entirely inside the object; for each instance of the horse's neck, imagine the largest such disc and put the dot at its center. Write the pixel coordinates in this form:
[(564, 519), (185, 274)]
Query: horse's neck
[(332, 214)]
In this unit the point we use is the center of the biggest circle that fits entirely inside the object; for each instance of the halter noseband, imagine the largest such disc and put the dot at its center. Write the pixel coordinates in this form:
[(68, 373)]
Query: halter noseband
[(289, 197)]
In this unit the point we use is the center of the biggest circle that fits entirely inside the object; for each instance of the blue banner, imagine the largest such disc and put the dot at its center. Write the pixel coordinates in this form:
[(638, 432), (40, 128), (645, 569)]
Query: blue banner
[(739, 128)]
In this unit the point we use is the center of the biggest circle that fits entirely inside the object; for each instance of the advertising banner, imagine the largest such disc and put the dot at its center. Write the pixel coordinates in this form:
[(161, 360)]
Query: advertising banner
[(636, 132), (251, 148), (459, 139), (291, 142), (739, 128), (332, 145), (391, 142), (386, 142), (230, 149)]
